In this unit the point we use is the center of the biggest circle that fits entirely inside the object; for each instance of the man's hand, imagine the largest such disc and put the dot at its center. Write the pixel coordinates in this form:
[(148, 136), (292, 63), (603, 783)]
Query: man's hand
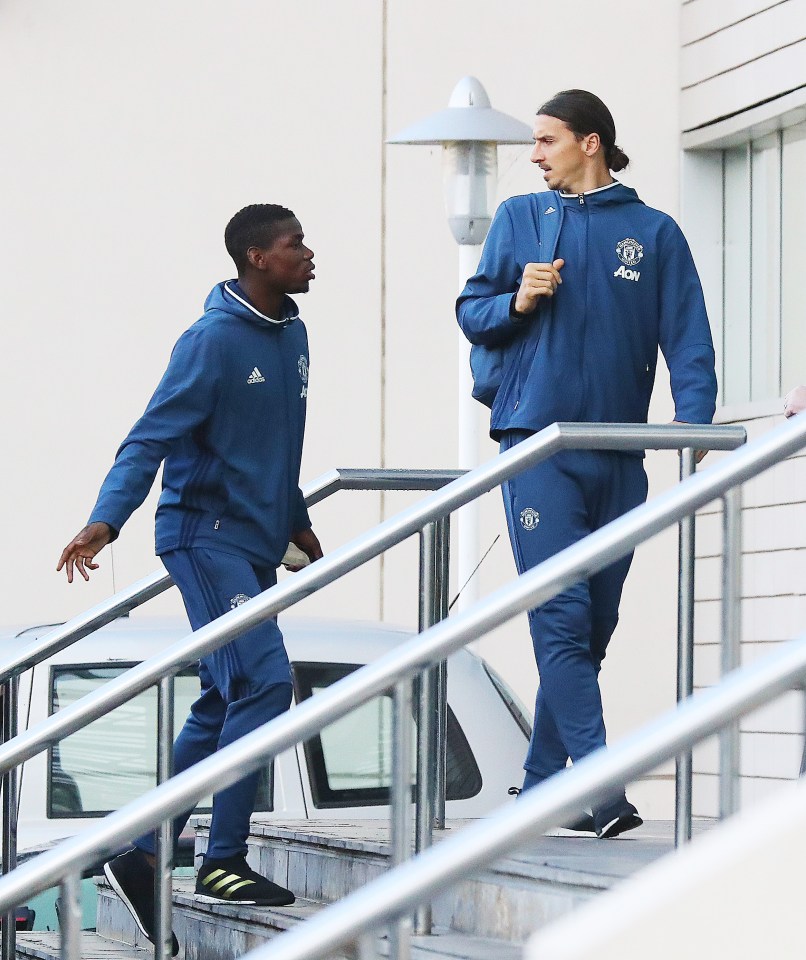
[(539, 280), (82, 549), (795, 401), (699, 454), (308, 543)]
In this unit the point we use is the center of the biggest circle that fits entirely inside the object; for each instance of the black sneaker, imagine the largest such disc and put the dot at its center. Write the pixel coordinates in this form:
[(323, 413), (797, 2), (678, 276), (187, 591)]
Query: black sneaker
[(131, 876), (582, 824), (615, 818), (232, 880)]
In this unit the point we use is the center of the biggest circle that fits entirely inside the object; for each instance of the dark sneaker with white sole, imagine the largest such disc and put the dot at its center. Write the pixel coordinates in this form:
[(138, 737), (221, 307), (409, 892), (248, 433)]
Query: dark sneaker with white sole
[(233, 881), (581, 824), (131, 876), (616, 818)]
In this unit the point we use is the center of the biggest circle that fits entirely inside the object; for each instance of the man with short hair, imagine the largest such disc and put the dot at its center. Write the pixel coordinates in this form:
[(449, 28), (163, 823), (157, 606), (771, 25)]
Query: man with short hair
[(577, 290), (227, 419)]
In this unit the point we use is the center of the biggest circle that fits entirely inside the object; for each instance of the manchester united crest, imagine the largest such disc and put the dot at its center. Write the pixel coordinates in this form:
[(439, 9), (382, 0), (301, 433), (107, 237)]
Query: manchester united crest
[(529, 518), (302, 366), (629, 251)]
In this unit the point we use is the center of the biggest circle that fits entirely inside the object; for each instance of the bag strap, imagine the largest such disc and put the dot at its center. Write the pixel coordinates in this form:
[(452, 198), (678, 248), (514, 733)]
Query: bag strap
[(547, 210)]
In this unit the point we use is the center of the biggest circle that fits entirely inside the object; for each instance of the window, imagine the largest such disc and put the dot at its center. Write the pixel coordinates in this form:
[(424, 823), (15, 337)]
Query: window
[(350, 763), (763, 249), (113, 760)]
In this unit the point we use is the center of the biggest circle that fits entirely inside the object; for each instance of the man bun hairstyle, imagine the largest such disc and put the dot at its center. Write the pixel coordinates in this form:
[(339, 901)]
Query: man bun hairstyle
[(585, 113), (254, 226)]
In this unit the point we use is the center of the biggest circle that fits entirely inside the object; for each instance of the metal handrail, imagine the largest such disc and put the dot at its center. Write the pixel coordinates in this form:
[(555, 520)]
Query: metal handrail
[(431, 715), (534, 587), (367, 546), (558, 799), (156, 583)]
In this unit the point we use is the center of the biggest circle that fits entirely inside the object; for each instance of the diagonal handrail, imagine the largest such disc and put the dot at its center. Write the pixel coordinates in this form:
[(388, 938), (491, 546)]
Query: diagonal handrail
[(532, 588), (156, 583), (183, 653), (400, 890)]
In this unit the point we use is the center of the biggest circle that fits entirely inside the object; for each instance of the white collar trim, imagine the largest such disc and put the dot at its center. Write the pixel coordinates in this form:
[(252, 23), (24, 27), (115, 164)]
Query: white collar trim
[(587, 193), (257, 313)]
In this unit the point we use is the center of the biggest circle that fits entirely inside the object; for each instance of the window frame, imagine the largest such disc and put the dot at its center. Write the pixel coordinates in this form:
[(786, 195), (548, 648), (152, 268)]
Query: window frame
[(702, 218), (325, 798), (266, 787)]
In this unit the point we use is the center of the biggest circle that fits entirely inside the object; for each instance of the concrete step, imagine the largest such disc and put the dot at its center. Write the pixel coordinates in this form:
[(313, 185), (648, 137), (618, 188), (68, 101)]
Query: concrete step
[(486, 917), (223, 932), (35, 945), (325, 861)]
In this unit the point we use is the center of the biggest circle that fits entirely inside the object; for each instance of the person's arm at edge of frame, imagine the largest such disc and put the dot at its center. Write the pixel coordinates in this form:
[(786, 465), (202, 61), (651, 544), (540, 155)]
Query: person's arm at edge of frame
[(685, 334), (795, 401), (182, 400)]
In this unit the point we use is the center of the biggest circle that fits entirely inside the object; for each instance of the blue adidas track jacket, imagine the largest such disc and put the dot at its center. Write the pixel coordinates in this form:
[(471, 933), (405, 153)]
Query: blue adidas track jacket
[(589, 352), (228, 419)]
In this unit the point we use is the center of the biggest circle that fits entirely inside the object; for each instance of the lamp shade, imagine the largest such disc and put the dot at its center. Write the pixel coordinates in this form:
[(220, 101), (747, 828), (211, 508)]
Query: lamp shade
[(469, 116), (469, 131)]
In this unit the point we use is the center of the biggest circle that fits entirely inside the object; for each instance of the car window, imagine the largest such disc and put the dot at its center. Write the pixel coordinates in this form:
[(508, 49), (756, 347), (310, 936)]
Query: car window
[(113, 760), (350, 762)]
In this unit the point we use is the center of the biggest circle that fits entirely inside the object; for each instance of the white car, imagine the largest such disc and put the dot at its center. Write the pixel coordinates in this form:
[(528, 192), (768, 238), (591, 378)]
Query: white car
[(344, 773)]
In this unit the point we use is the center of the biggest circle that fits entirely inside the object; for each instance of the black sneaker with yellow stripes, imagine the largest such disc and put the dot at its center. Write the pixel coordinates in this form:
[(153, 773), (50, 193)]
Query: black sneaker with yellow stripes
[(233, 881)]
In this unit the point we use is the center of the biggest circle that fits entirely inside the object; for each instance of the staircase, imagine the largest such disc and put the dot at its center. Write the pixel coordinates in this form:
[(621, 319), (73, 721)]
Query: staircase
[(487, 917)]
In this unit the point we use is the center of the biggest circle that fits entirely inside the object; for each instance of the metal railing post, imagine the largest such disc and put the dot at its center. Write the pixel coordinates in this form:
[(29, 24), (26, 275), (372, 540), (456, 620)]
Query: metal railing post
[(10, 713), (443, 588), (729, 738), (544, 807), (426, 715), (70, 917), (163, 870), (685, 654), (396, 669), (400, 929)]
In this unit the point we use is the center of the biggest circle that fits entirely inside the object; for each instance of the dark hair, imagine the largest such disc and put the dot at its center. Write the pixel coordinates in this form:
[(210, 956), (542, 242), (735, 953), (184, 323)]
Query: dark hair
[(254, 226), (585, 113)]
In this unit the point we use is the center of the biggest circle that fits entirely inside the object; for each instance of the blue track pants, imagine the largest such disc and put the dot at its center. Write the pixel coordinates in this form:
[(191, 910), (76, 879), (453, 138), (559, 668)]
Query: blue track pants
[(548, 508), (243, 684)]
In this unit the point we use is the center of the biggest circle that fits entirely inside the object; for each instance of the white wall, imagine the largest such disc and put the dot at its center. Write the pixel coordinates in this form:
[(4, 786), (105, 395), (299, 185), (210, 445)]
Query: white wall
[(133, 132)]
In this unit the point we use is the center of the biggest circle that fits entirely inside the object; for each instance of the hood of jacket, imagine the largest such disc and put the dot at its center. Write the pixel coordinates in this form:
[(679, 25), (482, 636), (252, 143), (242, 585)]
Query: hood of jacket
[(226, 297)]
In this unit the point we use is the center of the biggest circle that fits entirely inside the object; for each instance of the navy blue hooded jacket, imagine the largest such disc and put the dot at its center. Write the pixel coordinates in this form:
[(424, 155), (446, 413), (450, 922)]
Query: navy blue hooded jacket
[(228, 419), (589, 352)]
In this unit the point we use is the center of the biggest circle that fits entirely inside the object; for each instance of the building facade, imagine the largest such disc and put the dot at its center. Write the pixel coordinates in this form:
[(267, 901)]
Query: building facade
[(132, 133), (743, 129)]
